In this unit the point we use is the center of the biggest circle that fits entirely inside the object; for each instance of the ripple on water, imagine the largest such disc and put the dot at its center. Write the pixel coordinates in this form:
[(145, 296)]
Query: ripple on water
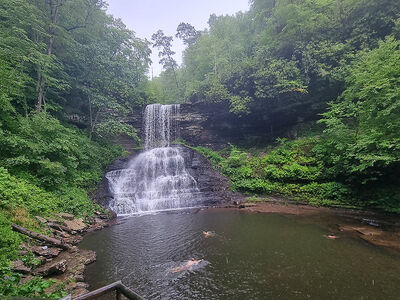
[(253, 256)]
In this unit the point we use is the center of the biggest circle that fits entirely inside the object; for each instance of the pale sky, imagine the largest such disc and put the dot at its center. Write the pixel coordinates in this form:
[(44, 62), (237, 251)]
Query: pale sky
[(145, 17)]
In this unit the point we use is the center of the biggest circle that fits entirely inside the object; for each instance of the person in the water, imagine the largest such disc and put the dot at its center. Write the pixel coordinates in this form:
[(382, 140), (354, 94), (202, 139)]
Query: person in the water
[(208, 234), (190, 263), (332, 236)]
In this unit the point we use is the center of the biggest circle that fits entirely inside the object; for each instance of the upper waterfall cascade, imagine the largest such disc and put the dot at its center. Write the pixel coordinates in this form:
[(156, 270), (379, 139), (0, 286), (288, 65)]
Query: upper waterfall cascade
[(157, 178)]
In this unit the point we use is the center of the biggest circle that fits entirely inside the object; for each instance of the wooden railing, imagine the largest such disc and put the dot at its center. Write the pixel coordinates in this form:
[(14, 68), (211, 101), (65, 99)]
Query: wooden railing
[(118, 287)]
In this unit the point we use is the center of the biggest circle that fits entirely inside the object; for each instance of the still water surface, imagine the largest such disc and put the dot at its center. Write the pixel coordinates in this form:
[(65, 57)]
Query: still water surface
[(253, 256)]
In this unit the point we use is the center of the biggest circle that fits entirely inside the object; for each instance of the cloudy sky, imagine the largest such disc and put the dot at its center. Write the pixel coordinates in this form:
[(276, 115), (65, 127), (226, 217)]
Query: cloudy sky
[(145, 17)]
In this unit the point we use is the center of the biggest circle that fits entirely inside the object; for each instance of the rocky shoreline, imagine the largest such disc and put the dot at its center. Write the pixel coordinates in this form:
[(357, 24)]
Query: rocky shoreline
[(56, 253)]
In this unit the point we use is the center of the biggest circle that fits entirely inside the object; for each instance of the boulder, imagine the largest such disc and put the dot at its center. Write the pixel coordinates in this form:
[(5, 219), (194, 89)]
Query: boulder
[(52, 268), (75, 224), (79, 278), (89, 257), (46, 251)]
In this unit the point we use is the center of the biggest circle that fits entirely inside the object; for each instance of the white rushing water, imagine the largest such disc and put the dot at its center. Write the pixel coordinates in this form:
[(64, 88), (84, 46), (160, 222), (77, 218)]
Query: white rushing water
[(157, 178)]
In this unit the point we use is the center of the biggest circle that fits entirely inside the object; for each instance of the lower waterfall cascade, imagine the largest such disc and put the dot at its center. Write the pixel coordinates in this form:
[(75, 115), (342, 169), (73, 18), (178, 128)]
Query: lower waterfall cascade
[(156, 179)]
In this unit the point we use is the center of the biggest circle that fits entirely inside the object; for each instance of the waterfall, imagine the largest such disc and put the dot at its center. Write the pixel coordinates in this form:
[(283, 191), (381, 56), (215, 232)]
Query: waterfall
[(161, 125), (157, 178)]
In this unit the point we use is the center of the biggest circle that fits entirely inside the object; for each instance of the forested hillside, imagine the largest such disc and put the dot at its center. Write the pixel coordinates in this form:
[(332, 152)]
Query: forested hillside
[(333, 63), (58, 58)]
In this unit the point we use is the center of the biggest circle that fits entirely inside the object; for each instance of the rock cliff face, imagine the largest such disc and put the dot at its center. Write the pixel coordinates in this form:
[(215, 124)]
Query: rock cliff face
[(213, 186), (211, 183), (213, 126), (209, 125)]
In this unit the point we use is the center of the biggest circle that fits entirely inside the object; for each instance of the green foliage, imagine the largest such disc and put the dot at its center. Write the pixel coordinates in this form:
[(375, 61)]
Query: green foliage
[(290, 170), (19, 194), (362, 135), (50, 169), (75, 60), (9, 246), (214, 157), (9, 241), (10, 286), (41, 149)]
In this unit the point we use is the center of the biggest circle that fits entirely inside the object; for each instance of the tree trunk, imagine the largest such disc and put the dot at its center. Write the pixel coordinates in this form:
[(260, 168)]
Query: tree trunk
[(52, 241), (215, 61), (176, 79), (90, 118), (40, 88)]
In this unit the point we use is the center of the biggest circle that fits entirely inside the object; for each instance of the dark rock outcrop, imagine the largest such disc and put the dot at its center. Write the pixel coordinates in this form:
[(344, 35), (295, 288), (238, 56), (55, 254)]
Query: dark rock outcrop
[(211, 183), (45, 251), (56, 267)]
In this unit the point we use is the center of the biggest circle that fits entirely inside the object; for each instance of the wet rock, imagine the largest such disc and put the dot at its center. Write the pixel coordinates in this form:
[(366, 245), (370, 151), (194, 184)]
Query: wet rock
[(66, 216), (79, 277), (89, 257), (364, 230), (75, 224), (52, 268), (97, 220), (382, 241), (18, 266), (371, 222), (46, 251)]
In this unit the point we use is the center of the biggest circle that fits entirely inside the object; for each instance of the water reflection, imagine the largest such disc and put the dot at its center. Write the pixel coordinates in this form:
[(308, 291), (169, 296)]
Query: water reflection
[(252, 256)]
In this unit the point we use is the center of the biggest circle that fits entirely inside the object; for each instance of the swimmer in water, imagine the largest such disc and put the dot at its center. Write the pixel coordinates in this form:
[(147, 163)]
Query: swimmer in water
[(332, 236), (190, 263), (208, 234)]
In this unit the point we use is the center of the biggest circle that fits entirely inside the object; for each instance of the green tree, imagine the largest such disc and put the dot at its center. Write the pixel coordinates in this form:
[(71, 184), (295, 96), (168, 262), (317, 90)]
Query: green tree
[(363, 127), (164, 44), (187, 33)]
